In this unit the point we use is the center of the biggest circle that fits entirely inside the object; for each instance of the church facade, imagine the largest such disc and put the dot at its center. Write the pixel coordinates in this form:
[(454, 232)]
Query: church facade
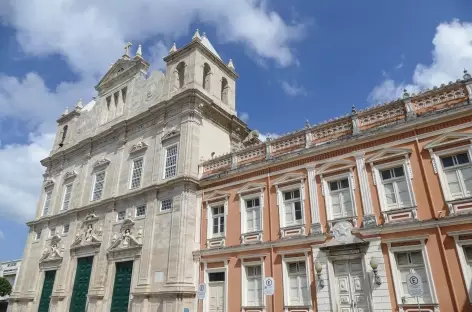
[(368, 212), (117, 220)]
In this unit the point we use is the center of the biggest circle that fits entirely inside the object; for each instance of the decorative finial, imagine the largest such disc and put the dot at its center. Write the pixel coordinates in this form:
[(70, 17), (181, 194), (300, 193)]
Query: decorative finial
[(139, 52), (230, 64), (204, 35), (173, 49), (196, 35), (79, 104), (307, 124), (405, 94), (111, 65), (466, 75), (127, 46), (65, 112), (353, 110)]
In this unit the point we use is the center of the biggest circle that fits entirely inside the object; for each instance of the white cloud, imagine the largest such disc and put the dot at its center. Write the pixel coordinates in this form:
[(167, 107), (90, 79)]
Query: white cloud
[(263, 136), (244, 116), (2, 236), (452, 52), (293, 89), (157, 53)]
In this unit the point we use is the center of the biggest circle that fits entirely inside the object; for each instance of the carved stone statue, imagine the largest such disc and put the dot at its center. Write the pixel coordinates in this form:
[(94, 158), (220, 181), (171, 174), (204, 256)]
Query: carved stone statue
[(89, 232)]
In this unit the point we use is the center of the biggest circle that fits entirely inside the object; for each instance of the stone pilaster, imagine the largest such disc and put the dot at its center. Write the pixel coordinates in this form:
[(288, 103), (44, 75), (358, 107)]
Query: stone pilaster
[(316, 228), (369, 219)]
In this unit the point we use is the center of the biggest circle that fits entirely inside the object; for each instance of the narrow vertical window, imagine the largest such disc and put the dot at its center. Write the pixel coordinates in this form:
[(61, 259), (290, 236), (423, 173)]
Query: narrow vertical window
[(64, 135), (65, 229), (98, 185), (47, 203), (218, 223), (397, 194), (253, 215), (180, 75), (137, 172), (254, 286), (123, 94), (412, 262), (341, 201), (458, 172), (52, 232), (171, 162), (293, 208), (206, 76), (37, 235), (67, 196), (298, 285), (224, 90)]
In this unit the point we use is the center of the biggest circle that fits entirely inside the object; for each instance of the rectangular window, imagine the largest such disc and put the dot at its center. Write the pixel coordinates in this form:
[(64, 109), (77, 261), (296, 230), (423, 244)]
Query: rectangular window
[(253, 215), (216, 277), (166, 204), (340, 198), (137, 172), (98, 185), (395, 186), (458, 172), (293, 207), (67, 195), (52, 232), (298, 285), (65, 229), (412, 262), (140, 211), (47, 203), (218, 220), (121, 215), (37, 235), (171, 162), (254, 286)]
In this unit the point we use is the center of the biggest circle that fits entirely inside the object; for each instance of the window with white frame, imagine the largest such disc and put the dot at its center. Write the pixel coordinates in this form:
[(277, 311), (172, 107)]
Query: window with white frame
[(340, 197), (298, 293), (47, 203), (121, 215), (141, 211), (98, 185), (170, 162), (137, 172), (67, 195), (65, 229), (412, 262), (292, 207), (253, 214), (457, 170), (254, 286), (218, 220), (396, 191), (166, 204)]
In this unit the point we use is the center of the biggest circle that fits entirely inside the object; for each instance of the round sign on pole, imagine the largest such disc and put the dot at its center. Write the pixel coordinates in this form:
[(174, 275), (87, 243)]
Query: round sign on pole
[(201, 291), (269, 286), (414, 284)]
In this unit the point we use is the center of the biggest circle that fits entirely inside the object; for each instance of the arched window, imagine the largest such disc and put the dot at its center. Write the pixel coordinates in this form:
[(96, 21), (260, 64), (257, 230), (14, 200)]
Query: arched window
[(206, 76), (179, 76), (64, 134), (224, 90)]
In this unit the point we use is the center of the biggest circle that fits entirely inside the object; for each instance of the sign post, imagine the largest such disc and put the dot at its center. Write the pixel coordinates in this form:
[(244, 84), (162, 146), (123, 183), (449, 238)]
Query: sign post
[(201, 291), (414, 284), (268, 288)]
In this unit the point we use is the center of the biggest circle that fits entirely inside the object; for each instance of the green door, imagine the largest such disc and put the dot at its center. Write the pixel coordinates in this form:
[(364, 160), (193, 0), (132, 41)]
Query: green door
[(120, 299), (81, 284), (49, 277)]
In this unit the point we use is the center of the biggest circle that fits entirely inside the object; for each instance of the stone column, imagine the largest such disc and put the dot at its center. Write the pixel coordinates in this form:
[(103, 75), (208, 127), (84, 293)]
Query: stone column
[(316, 228), (369, 219)]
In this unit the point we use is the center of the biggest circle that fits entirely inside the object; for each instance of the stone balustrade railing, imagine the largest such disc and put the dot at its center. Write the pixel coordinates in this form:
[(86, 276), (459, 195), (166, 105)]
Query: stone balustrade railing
[(407, 108)]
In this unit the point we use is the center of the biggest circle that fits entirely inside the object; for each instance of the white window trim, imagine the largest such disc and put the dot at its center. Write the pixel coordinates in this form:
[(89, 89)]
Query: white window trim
[(286, 286), (438, 167), (394, 268), (131, 173), (244, 265), (378, 182), (209, 207), (206, 281), (165, 160), (280, 202), (44, 202), (94, 182), (64, 195), (242, 208), (466, 269), (326, 193)]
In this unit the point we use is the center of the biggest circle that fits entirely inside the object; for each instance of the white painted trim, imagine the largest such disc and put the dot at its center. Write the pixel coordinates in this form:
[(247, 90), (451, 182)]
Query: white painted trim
[(394, 152), (243, 209), (325, 180), (465, 267), (293, 251), (206, 281), (165, 150), (324, 168), (459, 136), (364, 185), (244, 265), (211, 205), (313, 194), (420, 238), (132, 170), (286, 287), (279, 195)]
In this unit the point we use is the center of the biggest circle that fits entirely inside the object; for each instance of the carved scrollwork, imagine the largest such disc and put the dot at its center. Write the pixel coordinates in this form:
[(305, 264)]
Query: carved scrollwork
[(140, 146), (54, 251), (70, 175), (89, 233), (48, 183), (170, 134), (128, 241), (101, 162)]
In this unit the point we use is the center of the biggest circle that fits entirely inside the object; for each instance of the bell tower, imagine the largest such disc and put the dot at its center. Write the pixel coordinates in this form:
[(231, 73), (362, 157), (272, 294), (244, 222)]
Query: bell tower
[(198, 66)]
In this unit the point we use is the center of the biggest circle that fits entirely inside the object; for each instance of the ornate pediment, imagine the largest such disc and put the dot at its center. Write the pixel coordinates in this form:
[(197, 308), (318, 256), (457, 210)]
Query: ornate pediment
[(140, 146), (337, 165), (128, 241), (89, 233), (70, 175), (449, 138), (170, 134), (251, 187), (48, 183), (289, 178), (388, 153), (54, 252), (217, 195), (101, 162), (124, 68)]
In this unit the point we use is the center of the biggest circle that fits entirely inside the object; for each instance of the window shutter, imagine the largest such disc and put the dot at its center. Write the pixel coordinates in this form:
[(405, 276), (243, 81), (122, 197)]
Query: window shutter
[(250, 220), (390, 195), (257, 220), (293, 291), (336, 206), (288, 214), (403, 194), (453, 184), (347, 203)]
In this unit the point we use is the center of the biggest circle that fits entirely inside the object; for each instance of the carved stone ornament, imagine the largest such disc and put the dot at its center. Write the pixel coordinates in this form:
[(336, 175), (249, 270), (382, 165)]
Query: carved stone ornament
[(89, 232), (101, 162), (128, 241), (138, 147), (170, 134), (342, 232), (54, 251), (70, 175), (48, 183)]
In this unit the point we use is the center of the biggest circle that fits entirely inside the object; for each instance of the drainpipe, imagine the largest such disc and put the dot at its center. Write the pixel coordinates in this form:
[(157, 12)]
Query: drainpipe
[(272, 301)]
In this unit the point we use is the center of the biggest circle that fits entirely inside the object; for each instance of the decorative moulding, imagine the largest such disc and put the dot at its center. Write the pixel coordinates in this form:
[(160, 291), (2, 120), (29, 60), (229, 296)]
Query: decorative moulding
[(217, 195), (170, 134), (48, 183), (140, 146), (388, 153), (289, 178), (448, 138), (336, 166), (101, 162), (70, 175), (251, 187)]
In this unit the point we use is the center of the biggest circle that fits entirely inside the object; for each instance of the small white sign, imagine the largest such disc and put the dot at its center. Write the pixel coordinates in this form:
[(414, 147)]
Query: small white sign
[(201, 291), (269, 286), (414, 284)]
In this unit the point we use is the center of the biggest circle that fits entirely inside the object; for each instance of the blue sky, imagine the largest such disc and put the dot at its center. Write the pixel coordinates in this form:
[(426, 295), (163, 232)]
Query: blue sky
[(296, 59)]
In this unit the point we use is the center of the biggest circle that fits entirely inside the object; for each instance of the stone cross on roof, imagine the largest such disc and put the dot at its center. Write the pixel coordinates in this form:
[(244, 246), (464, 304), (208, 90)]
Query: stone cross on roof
[(127, 46)]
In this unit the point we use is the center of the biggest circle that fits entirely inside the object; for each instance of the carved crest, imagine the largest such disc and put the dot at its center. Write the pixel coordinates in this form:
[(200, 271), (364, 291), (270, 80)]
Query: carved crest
[(54, 251), (48, 183), (140, 146), (70, 175), (342, 232), (170, 134), (89, 232), (128, 240), (101, 162)]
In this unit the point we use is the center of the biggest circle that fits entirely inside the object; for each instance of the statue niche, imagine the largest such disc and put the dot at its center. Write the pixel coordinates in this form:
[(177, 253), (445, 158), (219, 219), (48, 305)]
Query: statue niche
[(128, 242), (89, 233)]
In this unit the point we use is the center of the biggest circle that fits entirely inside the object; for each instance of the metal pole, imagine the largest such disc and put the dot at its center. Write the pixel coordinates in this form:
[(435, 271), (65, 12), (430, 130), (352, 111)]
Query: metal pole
[(418, 302)]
